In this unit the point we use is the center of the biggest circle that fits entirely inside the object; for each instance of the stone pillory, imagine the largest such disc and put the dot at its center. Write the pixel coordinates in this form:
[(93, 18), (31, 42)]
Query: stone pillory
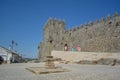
[(99, 36)]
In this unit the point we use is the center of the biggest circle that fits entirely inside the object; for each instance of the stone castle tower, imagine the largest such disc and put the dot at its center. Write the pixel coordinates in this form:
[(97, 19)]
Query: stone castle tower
[(99, 36)]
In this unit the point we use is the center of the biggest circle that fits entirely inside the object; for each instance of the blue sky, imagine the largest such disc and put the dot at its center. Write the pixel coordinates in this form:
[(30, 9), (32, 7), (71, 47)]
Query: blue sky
[(23, 20)]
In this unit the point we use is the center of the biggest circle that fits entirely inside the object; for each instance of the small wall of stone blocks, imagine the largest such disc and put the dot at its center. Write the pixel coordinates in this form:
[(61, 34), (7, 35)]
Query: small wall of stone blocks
[(79, 56)]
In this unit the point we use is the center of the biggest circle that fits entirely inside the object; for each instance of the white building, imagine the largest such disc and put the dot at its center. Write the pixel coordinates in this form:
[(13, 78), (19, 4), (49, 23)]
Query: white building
[(8, 54)]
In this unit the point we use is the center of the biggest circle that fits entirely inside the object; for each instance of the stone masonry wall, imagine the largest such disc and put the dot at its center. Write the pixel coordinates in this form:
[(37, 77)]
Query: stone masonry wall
[(80, 56), (99, 36)]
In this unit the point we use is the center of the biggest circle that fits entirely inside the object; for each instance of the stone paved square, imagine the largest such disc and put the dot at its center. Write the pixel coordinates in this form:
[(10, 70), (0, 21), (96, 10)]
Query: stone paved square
[(78, 72)]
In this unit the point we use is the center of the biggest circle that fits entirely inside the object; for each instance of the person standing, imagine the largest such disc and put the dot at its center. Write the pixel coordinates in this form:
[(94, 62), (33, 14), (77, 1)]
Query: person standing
[(66, 47)]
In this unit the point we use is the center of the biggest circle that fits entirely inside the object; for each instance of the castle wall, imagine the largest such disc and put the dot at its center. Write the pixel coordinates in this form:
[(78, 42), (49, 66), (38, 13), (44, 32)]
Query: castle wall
[(53, 30), (102, 36), (99, 36)]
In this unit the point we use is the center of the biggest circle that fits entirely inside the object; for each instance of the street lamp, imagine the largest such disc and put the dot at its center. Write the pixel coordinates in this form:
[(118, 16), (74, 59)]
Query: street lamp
[(13, 43)]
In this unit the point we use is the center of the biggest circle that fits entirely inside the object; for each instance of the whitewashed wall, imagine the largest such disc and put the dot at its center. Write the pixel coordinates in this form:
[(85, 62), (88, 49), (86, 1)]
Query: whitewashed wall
[(5, 54)]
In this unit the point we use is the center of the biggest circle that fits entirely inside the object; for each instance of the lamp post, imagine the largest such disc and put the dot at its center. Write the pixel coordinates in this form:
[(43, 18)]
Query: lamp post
[(12, 44), (11, 49)]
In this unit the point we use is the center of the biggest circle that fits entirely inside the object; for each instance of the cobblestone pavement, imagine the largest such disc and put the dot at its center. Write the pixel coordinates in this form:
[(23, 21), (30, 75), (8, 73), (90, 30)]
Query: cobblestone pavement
[(77, 72)]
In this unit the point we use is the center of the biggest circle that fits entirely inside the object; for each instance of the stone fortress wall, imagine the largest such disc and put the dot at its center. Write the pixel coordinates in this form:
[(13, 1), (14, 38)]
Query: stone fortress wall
[(99, 36)]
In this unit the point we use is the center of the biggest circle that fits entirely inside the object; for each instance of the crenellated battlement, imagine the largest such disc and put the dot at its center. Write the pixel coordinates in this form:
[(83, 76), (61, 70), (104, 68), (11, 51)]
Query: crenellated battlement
[(102, 21), (54, 22), (61, 24)]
